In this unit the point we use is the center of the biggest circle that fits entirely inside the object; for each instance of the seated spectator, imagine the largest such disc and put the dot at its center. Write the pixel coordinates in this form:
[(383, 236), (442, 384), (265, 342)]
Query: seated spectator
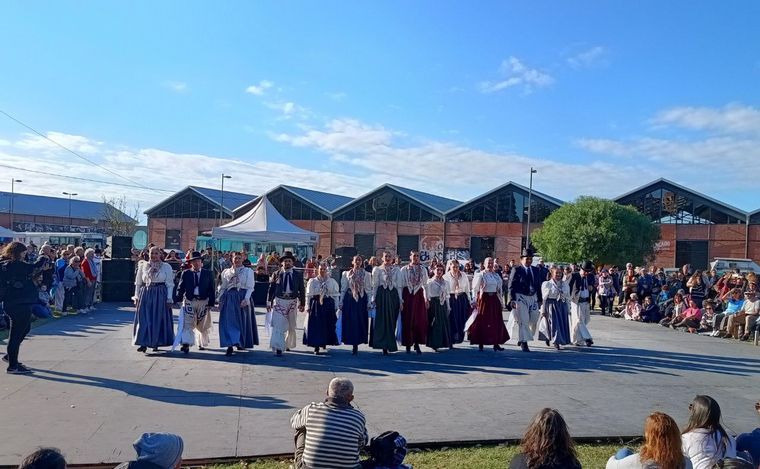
[(632, 310), (664, 295), (675, 312), (708, 317), (750, 442), (650, 312), (156, 451), (704, 439), (44, 458), (734, 303), (661, 448), (547, 444), (744, 321), (692, 317), (330, 433)]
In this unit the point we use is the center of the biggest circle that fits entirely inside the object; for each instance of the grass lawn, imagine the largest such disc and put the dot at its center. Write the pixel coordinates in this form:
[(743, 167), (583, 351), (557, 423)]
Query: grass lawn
[(592, 456)]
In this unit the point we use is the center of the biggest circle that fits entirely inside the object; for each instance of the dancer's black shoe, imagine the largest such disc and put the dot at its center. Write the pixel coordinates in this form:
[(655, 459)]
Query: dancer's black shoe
[(229, 352)]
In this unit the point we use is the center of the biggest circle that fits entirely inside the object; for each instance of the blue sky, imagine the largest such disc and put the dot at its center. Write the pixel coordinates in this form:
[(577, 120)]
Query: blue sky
[(438, 96)]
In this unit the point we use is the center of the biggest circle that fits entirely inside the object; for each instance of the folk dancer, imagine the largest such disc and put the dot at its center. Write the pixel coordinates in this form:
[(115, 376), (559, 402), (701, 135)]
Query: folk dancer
[(525, 298), (287, 296), (237, 321), (355, 290), (154, 283), (414, 322), (555, 293), (323, 296), (488, 327), (579, 305), (437, 288), (459, 300), (386, 299), (197, 294)]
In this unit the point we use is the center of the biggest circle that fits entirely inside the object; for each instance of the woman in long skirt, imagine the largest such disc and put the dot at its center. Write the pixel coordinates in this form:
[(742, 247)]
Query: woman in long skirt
[(154, 287), (355, 288), (387, 303), (414, 321), (488, 327), (322, 297), (237, 322), (460, 303), (438, 310), (555, 311)]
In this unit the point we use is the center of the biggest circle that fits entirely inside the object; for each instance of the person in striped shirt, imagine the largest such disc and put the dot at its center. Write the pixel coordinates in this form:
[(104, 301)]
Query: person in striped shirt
[(330, 434)]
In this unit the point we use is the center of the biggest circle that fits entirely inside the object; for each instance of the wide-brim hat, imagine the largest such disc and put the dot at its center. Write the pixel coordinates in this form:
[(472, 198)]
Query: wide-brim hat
[(287, 255), (527, 252), (588, 266), (193, 256)]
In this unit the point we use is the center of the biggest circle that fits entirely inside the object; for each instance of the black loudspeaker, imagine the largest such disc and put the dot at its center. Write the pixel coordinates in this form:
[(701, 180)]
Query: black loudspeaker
[(344, 256), (119, 247), (118, 270), (117, 291)]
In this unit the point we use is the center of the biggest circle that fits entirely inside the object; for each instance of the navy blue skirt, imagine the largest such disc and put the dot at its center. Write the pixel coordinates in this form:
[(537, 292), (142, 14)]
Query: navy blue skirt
[(460, 312), (154, 322), (320, 330), (237, 326), (354, 320)]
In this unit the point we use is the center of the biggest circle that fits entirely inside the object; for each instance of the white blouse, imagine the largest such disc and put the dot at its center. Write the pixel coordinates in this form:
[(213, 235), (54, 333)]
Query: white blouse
[(489, 282), (238, 278), (405, 278), (458, 285), (553, 290), (163, 273), (315, 286), (345, 284), (436, 289), (386, 278)]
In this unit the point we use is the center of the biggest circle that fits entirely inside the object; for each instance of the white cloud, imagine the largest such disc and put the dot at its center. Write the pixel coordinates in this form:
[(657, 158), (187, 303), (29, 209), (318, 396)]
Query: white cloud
[(593, 56), (731, 118), (77, 143), (289, 110), (259, 89), (176, 86), (517, 74), (337, 96)]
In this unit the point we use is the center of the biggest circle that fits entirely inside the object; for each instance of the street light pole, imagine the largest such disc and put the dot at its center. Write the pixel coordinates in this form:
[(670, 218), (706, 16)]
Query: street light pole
[(530, 196), (221, 201), (70, 194), (13, 192)]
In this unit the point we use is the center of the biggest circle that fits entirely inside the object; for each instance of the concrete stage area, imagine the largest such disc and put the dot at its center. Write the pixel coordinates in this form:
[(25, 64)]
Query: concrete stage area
[(93, 394)]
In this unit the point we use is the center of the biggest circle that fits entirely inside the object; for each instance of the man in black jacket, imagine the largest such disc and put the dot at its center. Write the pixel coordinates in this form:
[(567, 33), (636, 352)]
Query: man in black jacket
[(525, 298), (197, 293), (580, 296), (286, 292)]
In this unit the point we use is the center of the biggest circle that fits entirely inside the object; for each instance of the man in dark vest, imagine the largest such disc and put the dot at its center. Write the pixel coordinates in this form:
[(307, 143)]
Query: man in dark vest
[(525, 298), (197, 293), (286, 292)]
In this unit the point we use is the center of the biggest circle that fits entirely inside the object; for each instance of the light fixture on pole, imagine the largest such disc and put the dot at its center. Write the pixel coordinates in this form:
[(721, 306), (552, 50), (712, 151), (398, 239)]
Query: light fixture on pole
[(70, 194), (221, 199), (530, 196), (13, 191)]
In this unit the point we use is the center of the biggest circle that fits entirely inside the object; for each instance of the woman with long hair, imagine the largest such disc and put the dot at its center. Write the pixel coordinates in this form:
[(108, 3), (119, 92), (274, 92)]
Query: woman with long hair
[(547, 444), (20, 293), (459, 300), (355, 290), (661, 449), (154, 286), (705, 441)]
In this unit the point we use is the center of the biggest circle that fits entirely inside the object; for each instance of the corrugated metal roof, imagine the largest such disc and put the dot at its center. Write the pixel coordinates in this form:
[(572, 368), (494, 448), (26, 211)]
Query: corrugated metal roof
[(442, 204), (232, 200), (40, 205), (540, 195), (324, 200)]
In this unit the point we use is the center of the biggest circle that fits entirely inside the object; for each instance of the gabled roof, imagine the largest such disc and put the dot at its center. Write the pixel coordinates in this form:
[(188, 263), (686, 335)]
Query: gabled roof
[(324, 201), (437, 204), (40, 205), (662, 182), (547, 198), (213, 196)]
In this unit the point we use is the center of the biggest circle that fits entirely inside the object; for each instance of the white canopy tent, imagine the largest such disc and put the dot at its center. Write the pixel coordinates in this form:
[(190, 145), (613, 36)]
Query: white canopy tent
[(6, 233), (264, 224)]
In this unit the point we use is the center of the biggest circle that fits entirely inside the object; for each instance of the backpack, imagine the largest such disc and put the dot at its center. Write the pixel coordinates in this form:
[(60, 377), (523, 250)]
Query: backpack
[(388, 449)]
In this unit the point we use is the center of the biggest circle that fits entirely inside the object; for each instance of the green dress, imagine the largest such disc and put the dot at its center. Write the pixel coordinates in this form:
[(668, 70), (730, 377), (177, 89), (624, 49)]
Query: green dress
[(383, 328)]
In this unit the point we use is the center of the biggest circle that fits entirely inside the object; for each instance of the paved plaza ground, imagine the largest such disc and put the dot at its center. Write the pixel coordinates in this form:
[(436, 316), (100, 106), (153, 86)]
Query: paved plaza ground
[(93, 394)]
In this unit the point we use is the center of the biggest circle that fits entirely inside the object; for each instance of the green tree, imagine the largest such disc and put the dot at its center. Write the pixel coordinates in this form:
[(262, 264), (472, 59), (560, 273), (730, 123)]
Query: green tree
[(596, 229)]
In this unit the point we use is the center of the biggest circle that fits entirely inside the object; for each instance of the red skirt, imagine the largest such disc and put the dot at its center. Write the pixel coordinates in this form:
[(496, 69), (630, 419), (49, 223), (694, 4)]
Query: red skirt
[(488, 328), (414, 319)]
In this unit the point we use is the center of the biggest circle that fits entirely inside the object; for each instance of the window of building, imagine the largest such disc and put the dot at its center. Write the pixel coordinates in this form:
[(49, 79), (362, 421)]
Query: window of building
[(407, 244), (364, 244), (671, 205), (172, 239), (188, 205), (293, 208), (508, 205), (481, 247), (387, 206)]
